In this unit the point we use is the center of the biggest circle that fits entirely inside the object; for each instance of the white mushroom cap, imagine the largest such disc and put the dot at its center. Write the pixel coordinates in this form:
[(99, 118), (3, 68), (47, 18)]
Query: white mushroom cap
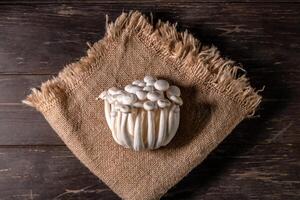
[(161, 85), (138, 104), (136, 82), (142, 84), (163, 103), (148, 79), (142, 95), (151, 83), (173, 91), (154, 96), (149, 105), (148, 88), (111, 98), (113, 90), (127, 99), (103, 95), (176, 100), (132, 88)]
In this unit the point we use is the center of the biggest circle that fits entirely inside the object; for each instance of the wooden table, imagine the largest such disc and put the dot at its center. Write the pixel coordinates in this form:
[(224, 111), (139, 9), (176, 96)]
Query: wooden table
[(259, 160)]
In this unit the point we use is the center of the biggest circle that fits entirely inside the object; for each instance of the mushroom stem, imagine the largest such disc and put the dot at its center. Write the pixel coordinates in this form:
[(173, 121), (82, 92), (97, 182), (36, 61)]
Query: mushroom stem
[(173, 123), (124, 135), (138, 139), (112, 113), (162, 131), (130, 124), (151, 129), (118, 127), (144, 126), (113, 123), (107, 110)]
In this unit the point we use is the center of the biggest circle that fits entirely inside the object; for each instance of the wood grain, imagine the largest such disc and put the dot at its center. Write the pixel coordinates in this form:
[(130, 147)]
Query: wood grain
[(46, 173), (157, 2), (21, 125), (243, 172), (57, 34), (15, 88), (259, 160)]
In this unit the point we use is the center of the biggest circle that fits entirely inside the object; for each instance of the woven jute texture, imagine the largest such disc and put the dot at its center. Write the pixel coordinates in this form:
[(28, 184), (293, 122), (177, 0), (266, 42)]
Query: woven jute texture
[(215, 99)]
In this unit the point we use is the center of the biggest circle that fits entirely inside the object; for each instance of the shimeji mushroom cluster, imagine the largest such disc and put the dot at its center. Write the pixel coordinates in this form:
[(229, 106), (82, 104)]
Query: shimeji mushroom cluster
[(145, 115)]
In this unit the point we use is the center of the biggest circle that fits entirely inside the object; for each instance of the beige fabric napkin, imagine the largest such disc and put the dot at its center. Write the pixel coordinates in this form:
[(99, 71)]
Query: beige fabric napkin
[(215, 101)]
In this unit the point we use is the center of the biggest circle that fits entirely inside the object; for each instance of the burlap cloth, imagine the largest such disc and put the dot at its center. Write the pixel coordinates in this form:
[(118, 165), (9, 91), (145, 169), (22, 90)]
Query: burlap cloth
[(215, 101)]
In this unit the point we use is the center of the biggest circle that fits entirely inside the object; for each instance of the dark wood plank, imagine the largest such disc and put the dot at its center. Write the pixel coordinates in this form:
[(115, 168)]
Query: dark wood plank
[(66, 2), (22, 125), (230, 172), (15, 88), (46, 173), (41, 38), (244, 172)]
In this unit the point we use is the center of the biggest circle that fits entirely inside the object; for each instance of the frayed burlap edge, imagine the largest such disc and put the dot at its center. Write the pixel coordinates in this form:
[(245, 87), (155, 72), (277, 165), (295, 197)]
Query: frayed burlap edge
[(185, 51)]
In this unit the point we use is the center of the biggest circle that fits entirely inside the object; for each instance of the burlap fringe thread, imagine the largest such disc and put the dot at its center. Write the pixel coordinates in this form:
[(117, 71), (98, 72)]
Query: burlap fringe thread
[(180, 47)]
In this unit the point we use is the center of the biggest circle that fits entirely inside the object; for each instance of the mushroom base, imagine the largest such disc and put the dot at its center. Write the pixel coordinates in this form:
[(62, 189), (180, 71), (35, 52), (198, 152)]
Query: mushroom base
[(140, 129)]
